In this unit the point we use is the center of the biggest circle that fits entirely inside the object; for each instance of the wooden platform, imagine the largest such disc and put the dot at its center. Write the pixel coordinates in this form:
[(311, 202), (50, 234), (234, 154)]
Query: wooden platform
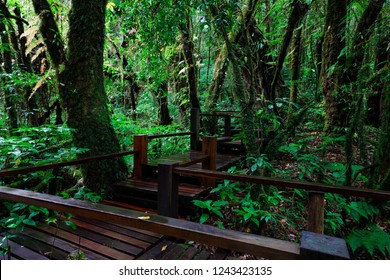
[(102, 241), (98, 240), (171, 250), (223, 161), (144, 193)]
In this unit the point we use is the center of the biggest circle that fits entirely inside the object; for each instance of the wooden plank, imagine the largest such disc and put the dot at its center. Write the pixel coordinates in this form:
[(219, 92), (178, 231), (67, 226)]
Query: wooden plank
[(25, 170), (170, 135), (146, 236), (157, 250), (86, 243), (223, 238), (40, 247), (23, 253), (219, 254), (104, 240), (189, 253), (176, 251), (202, 255), (109, 233), (184, 190), (54, 241)]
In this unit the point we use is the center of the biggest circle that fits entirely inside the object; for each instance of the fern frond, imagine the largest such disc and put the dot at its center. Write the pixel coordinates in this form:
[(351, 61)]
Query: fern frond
[(370, 240)]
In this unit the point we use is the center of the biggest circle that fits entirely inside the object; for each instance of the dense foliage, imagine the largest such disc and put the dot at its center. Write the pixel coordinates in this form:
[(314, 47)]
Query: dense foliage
[(309, 76)]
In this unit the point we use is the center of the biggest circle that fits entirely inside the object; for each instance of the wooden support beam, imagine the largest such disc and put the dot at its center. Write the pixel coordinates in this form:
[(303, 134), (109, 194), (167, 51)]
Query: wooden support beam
[(141, 157), (209, 148), (316, 212), (228, 126), (195, 128), (168, 190)]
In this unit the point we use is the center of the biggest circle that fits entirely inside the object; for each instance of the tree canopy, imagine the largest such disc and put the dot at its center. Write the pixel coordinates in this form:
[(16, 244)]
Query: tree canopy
[(309, 78)]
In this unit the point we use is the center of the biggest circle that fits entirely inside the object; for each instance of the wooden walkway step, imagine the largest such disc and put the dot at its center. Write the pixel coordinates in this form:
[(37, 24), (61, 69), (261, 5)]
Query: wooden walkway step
[(178, 250), (97, 240), (102, 241), (223, 161), (144, 193)]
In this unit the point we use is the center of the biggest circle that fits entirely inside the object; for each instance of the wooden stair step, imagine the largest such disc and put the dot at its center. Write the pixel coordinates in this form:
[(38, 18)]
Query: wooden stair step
[(148, 186)]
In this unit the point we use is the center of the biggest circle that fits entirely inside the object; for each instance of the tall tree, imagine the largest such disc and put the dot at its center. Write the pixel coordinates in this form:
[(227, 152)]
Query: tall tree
[(82, 86), (334, 43), (7, 64)]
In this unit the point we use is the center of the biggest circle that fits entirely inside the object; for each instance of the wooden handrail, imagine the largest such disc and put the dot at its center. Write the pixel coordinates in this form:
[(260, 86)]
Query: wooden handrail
[(170, 135), (223, 238), (25, 170), (350, 191), (221, 114), (195, 161)]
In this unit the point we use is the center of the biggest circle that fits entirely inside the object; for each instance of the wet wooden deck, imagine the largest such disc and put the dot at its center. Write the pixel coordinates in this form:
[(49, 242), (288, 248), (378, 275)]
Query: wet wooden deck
[(102, 241), (108, 241), (223, 161)]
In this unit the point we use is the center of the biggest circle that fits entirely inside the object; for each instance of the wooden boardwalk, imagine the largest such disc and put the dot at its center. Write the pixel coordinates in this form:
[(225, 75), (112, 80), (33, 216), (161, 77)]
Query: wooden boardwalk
[(143, 192), (98, 240), (101, 241), (223, 161)]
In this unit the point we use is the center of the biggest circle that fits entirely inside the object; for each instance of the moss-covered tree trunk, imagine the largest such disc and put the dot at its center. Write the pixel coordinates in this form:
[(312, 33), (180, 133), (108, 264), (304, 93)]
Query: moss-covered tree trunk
[(336, 105), (188, 51), (84, 97), (374, 101), (9, 104)]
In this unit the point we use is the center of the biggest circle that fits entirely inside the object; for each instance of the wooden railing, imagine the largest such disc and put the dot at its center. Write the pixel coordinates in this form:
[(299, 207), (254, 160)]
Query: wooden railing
[(316, 190), (227, 116), (265, 247), (169, 178), (43, 167)]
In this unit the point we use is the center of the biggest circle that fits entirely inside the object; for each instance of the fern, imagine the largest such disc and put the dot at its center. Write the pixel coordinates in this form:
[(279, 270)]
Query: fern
[(371, 239), (359, 209)]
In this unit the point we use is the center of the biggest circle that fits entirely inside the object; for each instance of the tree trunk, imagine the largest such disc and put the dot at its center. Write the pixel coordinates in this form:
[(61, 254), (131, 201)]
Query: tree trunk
[(362, 34), (295, 66), (374, 102), (82, 86), (299, 10), (50, 33), (237, 37), (12, 117), (336, 105), (188, 51), (163, 111)]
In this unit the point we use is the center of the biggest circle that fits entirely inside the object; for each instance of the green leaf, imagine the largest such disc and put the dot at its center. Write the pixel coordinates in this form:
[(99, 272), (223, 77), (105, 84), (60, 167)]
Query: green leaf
[(204, 218), (29, 222), (70, 224), (370, 239)]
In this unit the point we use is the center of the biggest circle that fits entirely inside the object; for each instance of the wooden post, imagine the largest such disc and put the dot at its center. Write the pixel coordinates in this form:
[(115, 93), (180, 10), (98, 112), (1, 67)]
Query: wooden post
[(168, 190), (209, 148), (141, 157), (228, 125), (315, 246), (316, 212), (195, 127)]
